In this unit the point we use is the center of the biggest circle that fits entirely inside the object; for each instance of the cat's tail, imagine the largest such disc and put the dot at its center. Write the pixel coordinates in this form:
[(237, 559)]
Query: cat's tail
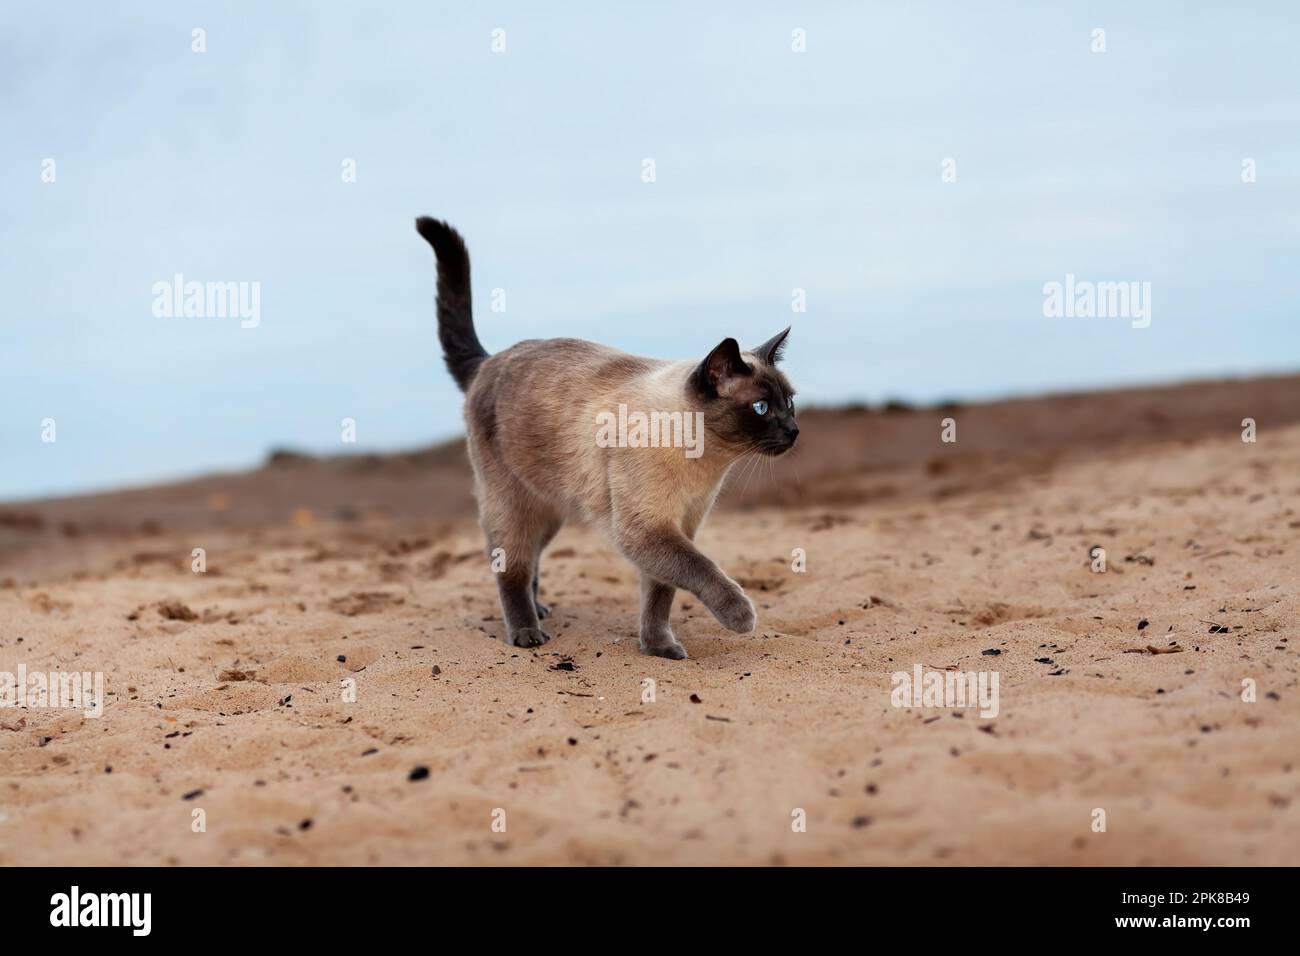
[(461, 349)]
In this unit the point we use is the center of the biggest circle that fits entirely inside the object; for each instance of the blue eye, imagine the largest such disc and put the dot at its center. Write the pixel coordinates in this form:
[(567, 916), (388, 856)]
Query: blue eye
[(760, 407)]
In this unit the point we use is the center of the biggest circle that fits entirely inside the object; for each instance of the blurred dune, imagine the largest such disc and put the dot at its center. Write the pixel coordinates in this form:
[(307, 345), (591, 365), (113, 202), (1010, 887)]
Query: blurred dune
[(846, 456)]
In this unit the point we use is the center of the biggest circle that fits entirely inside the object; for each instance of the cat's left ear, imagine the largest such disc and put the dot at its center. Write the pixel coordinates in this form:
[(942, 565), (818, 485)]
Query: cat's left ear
[(723, 368), (770, 351)]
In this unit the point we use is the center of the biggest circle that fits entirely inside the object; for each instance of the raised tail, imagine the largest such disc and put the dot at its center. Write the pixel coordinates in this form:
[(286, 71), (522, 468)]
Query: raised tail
[(461, 349)]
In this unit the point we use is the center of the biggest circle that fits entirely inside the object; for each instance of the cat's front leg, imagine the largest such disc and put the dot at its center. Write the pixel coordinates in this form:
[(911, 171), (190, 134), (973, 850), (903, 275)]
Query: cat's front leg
[(668, 556), (657, 638), (728, 602)]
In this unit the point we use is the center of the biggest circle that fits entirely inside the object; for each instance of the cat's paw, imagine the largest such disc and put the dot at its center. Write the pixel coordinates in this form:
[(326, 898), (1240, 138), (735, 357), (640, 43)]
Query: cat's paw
[(528, 637), (663, 644), (735, 611), (543, 610)]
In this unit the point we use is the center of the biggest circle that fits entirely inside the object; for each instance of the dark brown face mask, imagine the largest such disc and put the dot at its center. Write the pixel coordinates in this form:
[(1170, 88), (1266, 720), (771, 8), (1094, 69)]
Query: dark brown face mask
[(748, 404)]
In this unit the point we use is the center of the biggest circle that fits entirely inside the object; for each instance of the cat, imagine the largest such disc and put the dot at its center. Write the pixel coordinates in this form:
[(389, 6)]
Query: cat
[(539, 419)]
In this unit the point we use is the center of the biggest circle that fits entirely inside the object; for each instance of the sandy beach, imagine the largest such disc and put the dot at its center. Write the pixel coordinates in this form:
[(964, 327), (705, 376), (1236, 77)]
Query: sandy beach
[(226, 690)]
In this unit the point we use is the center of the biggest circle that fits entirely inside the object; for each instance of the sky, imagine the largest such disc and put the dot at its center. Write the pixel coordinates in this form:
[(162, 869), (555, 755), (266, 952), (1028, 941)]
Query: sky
[(920, 171)]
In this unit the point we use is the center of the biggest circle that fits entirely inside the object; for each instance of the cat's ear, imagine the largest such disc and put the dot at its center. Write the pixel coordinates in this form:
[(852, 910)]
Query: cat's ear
[(722, 367), (770, 351)]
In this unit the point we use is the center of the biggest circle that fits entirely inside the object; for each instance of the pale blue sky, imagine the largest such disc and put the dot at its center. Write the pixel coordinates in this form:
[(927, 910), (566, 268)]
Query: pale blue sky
[(775, 170)]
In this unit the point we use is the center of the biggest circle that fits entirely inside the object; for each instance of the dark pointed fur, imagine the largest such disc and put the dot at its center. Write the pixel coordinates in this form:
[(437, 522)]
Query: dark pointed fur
[(772, 350), (461, 349)]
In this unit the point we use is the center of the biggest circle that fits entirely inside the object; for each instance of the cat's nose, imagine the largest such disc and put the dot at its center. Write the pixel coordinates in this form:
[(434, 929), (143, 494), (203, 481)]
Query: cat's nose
[(792, 432)]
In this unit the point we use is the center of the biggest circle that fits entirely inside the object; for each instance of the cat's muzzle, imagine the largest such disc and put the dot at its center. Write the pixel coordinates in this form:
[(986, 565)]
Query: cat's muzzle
[(779, 446)]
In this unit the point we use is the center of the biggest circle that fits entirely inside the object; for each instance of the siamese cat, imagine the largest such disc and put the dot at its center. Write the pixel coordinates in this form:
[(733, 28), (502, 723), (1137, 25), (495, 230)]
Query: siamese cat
[(562, 429)]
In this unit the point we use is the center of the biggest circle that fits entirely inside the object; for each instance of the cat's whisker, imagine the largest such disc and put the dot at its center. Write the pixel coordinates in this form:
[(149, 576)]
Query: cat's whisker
[(752, 467), (798, 479), (739, 472), (744, 474), (747, 450), (736, 467), (750, 448)]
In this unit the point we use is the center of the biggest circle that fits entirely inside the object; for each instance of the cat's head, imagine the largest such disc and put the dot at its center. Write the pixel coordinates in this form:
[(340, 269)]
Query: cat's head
[(745, 398)]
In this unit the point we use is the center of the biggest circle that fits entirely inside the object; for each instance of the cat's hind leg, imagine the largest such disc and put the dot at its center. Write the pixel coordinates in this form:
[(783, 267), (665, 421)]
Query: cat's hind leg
[(517, 524), (543, 611)]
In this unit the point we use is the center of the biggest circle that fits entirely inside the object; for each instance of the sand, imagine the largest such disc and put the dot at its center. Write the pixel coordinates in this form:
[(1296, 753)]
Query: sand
[(223, 693)]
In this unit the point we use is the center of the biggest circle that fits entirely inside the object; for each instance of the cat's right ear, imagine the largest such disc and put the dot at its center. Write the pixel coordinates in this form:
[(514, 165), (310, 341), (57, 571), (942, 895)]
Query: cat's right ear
[(722, 369)]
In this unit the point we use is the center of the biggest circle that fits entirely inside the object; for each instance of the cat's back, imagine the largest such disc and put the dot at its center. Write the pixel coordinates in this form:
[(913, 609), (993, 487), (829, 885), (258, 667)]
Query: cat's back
[(572, 357), (550, 375), (535, 408)]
